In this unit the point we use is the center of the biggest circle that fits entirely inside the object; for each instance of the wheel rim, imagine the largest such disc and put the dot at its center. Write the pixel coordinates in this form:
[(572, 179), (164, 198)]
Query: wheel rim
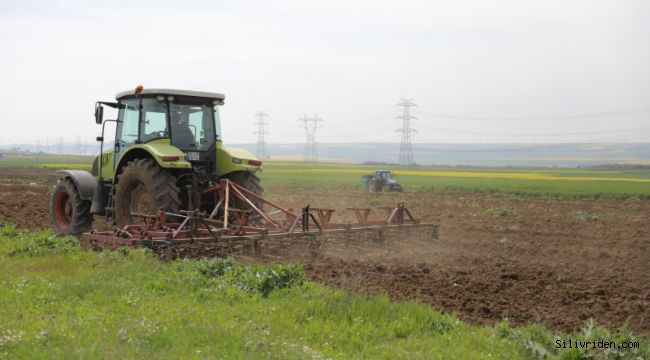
[(63, 209)]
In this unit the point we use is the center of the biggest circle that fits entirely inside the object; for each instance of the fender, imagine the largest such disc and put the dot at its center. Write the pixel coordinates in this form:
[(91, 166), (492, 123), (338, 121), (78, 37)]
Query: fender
[(156, 150), (83, 180), (234, 159)]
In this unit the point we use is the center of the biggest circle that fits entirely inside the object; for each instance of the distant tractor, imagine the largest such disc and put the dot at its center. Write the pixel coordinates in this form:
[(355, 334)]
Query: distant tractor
[(168, 149), (381, 181)]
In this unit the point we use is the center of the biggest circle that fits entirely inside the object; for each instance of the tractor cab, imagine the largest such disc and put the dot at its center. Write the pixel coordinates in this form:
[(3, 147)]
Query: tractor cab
[(186, 120), (384, 175), (180, 129), (167, 151)]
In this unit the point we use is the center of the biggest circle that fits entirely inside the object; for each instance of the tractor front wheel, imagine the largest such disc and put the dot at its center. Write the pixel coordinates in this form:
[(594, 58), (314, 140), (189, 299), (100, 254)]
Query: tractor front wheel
[(144, 188), (70, 214)]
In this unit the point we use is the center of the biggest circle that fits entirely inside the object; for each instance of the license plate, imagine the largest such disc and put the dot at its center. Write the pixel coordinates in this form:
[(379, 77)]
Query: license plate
[(192, 156)]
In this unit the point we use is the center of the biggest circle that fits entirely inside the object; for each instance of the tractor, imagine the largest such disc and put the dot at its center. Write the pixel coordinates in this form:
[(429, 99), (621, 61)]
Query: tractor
[(168, 149), (381, 181)]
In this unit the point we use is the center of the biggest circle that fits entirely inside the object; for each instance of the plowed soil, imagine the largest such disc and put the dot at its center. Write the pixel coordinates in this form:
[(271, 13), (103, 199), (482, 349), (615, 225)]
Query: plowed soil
[(552, 261), (24, 196)]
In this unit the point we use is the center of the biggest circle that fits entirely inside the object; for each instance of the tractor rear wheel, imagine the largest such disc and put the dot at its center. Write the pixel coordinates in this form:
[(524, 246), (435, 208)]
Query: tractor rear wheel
[(144, 188), (372, 186), (70, 214), (248, 181)]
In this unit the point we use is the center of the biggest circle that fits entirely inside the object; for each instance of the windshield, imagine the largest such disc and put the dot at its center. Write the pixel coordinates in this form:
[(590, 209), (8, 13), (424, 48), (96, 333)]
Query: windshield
[(192, 126)]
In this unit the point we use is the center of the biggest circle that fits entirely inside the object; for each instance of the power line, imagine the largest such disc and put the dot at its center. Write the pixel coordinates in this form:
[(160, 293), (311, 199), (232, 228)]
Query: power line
[(59, 145), (78, 145), (539, 134), (625, 137), (310, 125), (406, 148), (261, 143), (547, 118), (636, 136)]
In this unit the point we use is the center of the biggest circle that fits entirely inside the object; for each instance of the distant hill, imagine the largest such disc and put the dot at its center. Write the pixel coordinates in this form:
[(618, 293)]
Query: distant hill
[(546, 155)]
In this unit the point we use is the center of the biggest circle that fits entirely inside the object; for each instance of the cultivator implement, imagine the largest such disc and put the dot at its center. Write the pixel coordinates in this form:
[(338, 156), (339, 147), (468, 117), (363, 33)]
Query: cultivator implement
[(238, 226)]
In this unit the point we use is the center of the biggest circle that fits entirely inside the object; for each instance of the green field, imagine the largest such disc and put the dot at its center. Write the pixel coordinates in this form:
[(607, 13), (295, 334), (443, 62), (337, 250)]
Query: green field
[(58, 301), (566, 182), (31, 160), (552, 182)]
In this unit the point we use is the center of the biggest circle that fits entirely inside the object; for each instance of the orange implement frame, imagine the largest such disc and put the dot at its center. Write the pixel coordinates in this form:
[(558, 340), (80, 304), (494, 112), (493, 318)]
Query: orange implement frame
[(225, 222)]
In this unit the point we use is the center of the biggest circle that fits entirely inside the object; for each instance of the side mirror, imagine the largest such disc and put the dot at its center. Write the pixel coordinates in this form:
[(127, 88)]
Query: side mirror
[(99, 114)]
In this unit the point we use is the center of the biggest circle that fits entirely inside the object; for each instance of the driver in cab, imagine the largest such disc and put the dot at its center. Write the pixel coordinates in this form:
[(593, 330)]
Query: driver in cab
[(181, 133)]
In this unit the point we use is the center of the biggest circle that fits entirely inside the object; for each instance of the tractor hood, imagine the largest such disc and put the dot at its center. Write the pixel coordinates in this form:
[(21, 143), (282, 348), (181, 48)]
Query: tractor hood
[(391, 182), (238, 152)]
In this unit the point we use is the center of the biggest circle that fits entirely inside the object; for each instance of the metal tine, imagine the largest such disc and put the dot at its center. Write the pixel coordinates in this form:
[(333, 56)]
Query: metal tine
[(225, 205), (320, 229), (215, 210), (293, 224), (187, 218), (255, 208), (244, 190)]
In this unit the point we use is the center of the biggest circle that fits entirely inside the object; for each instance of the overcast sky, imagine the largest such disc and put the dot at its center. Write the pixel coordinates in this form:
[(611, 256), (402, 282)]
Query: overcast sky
[(499, 71)]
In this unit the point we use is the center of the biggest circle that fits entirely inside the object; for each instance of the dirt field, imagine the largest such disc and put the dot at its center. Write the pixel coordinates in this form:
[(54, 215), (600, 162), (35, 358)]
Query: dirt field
[(556, 262)]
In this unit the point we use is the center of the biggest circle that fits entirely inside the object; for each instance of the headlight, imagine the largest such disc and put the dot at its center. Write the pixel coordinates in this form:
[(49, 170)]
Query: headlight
[(236, 160)]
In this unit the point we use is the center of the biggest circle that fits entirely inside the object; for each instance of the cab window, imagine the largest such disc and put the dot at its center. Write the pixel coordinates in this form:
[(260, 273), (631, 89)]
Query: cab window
[(192, 126), (127, 128), (154, 120)]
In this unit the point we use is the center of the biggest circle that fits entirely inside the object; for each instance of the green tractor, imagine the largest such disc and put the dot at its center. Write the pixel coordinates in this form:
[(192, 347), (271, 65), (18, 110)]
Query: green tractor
[(167, 150)]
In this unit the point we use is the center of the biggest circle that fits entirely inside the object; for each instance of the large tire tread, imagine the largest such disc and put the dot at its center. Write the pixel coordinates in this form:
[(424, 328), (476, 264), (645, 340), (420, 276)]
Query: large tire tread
[(160, 184)]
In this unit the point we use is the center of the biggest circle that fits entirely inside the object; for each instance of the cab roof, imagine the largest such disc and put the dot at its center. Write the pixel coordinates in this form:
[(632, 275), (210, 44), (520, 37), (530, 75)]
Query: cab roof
[(173, 92)]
